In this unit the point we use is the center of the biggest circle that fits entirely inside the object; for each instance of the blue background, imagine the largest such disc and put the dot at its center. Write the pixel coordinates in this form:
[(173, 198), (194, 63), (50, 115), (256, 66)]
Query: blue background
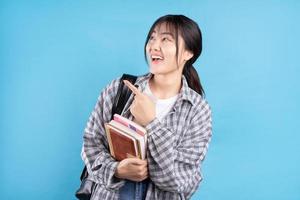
[(56, 56)]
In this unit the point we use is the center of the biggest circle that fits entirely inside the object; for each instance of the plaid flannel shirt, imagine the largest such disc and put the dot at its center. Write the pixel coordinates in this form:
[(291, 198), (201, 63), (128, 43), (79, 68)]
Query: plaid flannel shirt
[(176, 146)]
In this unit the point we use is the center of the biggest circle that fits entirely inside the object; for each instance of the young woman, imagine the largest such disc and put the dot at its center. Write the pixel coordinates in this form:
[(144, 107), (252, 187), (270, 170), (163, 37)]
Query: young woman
[(169, 103)]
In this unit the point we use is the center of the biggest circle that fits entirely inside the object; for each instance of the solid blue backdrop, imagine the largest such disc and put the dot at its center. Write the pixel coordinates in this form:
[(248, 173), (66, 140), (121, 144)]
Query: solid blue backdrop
[(56, 57)]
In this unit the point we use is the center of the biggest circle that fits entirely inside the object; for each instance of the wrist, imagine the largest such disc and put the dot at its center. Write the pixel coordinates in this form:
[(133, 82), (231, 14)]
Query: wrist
[(149, 121), (118, 172)]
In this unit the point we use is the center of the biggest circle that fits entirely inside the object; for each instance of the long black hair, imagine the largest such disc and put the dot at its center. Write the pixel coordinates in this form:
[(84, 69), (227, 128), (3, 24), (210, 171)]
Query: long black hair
[(192, 37)]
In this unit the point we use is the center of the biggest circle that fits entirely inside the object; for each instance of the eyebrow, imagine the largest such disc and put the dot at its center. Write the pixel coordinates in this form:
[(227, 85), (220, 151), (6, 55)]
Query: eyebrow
[(165, 33)]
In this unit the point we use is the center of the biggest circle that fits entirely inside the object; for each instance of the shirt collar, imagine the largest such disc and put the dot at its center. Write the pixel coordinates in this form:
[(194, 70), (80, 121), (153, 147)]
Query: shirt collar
[(184, 94)]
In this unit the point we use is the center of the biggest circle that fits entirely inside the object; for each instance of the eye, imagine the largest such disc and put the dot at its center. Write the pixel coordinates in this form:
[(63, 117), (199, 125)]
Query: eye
[(166, 39), (152, 37)]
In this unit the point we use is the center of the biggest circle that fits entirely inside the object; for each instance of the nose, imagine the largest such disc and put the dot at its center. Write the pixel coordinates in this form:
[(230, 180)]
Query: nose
[(155, 45)]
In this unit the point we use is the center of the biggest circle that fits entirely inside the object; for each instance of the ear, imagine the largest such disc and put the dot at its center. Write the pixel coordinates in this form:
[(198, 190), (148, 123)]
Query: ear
[(187, 55)]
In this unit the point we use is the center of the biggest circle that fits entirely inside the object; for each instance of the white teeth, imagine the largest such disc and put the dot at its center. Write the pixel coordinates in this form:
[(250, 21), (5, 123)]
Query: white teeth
[(156, 57)]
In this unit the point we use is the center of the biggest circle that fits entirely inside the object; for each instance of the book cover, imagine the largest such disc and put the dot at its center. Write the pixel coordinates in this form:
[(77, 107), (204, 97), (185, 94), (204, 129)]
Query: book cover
[(121, 145), (122, 140)]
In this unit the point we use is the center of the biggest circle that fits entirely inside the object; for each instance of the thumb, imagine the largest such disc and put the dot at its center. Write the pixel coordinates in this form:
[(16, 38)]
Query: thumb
[(130, 156)]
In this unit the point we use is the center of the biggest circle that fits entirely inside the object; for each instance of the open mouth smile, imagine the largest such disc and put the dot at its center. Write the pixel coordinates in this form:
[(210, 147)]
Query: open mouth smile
[(155, 59)]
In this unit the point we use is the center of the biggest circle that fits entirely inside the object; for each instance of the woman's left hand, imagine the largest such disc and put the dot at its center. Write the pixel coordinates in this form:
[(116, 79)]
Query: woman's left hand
[(142, 107)]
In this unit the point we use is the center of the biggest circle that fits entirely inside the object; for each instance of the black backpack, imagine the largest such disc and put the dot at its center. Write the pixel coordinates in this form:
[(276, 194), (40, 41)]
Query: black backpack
[(85, 190)]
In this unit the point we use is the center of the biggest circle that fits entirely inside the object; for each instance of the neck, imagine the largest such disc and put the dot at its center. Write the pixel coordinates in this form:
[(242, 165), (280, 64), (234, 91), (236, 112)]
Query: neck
[(165, 86)]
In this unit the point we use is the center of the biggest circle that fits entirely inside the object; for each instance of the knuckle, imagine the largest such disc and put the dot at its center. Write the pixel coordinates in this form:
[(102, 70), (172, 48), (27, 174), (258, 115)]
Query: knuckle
[(141, 168), (138, 170), (141, 174)]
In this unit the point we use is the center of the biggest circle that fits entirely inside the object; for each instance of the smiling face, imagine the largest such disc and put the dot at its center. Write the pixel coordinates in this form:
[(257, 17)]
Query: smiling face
[(161, 51)]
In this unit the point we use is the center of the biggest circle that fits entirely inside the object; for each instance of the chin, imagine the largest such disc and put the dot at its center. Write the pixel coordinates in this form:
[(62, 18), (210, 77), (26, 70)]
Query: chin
[(157, 69), (160, 70)]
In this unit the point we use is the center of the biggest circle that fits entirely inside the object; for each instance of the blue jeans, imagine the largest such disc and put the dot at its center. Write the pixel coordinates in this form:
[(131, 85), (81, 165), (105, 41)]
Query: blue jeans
[(134, 190)]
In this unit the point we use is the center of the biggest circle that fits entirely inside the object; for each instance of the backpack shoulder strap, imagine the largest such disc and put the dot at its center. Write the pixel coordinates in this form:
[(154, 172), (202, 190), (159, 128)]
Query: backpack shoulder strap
[(123, 94)]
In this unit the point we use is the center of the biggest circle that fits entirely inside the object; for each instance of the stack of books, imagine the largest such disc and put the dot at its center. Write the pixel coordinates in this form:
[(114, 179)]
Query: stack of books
[(126, 138)]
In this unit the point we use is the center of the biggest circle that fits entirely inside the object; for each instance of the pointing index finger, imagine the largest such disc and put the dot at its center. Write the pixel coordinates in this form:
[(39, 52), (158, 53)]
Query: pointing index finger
[(132, 87)]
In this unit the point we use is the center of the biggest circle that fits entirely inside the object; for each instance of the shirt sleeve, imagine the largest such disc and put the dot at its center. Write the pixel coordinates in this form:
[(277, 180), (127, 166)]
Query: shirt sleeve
[(95, 151), (177, 168)]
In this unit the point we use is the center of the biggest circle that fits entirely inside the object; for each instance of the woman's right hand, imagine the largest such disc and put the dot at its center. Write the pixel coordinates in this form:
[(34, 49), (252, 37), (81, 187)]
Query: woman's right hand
[(133, 169)]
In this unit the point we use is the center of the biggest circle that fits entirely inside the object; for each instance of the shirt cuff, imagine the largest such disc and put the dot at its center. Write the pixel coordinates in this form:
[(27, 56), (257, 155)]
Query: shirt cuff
[(112, 182), (153, 126)]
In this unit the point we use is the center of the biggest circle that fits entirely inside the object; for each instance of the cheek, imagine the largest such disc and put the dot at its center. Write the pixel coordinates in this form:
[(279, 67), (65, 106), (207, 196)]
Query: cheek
[(147, 52), (171, 51), (171, 56), (147, 49)]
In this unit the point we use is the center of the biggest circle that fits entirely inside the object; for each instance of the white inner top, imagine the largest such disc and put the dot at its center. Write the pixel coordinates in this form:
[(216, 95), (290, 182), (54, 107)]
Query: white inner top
[(163, 106)]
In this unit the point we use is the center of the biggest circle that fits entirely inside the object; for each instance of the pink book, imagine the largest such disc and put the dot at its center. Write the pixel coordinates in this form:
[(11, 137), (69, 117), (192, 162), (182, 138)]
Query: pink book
[(130, 124)]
